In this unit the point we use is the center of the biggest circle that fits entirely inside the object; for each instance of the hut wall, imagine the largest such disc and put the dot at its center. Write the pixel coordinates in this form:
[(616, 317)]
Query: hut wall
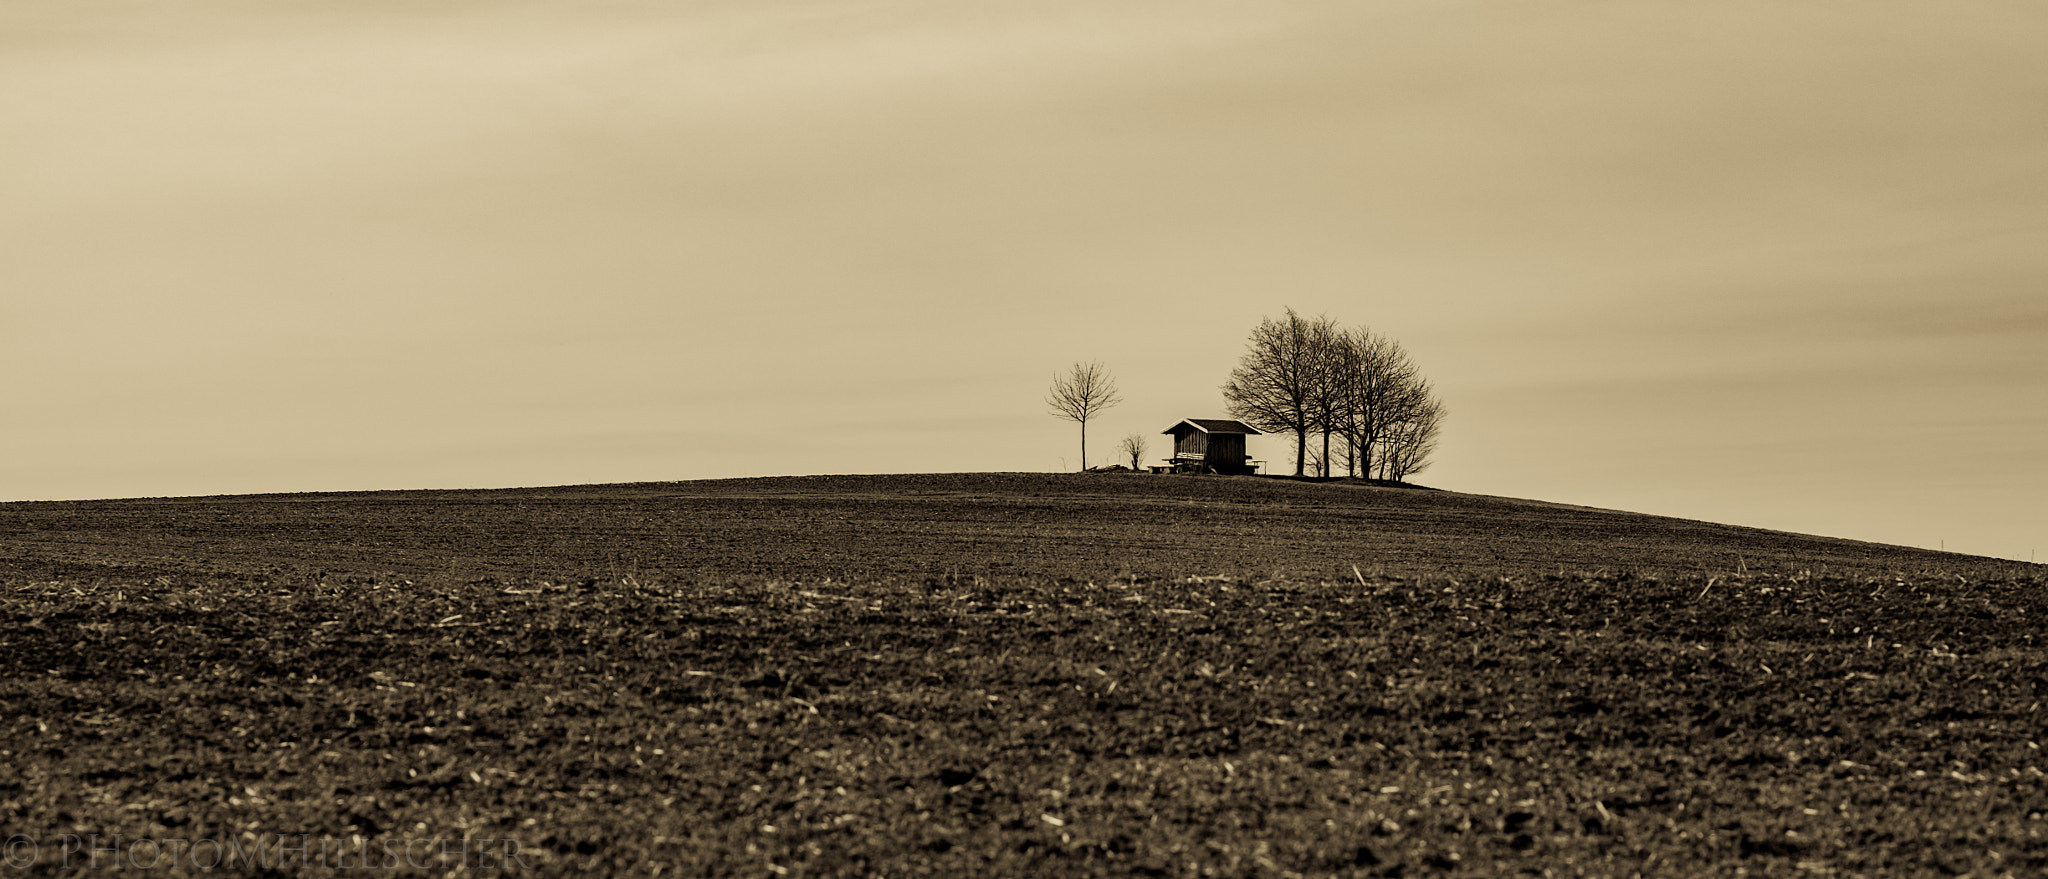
[(1226, 450)]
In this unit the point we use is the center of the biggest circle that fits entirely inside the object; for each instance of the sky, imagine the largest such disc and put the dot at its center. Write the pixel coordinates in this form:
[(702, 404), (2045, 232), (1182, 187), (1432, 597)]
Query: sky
[(1762, 263)]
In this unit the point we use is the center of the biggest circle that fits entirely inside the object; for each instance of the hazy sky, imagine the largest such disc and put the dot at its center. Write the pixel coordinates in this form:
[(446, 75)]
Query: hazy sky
[(1781, 264)]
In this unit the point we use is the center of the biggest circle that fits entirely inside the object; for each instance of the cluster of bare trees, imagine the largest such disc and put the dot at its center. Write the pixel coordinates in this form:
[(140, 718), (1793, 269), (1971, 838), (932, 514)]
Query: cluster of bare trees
[(1355, 389)]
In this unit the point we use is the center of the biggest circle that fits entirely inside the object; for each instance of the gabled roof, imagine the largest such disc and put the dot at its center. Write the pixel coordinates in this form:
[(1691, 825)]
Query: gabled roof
[(1216, 425)]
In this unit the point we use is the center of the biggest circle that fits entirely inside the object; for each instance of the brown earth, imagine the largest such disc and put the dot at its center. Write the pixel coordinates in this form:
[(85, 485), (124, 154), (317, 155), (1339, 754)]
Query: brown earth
[(1003, 674), (1084, 526)]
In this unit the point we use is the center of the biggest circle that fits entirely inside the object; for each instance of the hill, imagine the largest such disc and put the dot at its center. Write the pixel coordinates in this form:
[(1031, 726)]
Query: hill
[(1002, 675), (1065, 525)]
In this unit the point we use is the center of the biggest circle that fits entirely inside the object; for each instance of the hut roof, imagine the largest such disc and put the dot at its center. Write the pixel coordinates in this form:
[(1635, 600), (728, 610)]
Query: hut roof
[(1216, 425)]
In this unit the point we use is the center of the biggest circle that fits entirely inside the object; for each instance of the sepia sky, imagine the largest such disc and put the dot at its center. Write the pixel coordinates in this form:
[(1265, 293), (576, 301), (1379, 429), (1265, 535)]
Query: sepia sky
[(1763, 263)]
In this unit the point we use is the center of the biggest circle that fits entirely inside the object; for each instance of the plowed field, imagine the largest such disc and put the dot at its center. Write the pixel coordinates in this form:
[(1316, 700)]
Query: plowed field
[(1001, 675)]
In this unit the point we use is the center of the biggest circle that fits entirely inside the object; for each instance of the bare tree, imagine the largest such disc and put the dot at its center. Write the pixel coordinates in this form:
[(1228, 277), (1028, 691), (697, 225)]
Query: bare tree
[(1378, 388), (1278, 384), (1358, 389), (1410, 441), (1081, 394), (1327, 401), (1319, 461), (1134, 446)]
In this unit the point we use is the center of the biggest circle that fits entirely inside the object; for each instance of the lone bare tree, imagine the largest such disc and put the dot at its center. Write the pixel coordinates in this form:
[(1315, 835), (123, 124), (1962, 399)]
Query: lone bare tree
[(1081, 394), (1134, 446)]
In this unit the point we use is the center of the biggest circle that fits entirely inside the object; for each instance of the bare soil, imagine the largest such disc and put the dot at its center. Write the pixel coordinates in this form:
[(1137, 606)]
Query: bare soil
[(1003, 674)]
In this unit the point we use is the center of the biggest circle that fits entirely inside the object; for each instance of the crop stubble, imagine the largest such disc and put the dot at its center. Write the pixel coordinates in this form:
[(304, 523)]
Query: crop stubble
[(1019, 674)]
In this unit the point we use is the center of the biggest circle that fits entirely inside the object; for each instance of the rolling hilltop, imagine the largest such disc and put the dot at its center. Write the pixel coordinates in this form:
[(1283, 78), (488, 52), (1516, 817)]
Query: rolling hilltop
[(1057, 525)]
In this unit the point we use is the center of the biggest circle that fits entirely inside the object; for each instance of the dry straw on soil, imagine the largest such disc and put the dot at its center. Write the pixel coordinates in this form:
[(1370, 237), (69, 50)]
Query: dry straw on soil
[(990, 675)]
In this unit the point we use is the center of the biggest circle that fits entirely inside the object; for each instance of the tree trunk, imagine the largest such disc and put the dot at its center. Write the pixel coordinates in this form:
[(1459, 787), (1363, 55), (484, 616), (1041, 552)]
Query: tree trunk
[(1084, 446)]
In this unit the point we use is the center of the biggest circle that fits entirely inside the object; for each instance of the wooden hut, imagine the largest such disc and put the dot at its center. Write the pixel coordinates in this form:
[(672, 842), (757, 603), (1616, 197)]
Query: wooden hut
[(1210, 445)]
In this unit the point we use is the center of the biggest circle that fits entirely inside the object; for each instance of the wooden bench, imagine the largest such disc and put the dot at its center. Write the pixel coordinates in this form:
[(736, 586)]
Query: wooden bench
[(1188, 462)]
